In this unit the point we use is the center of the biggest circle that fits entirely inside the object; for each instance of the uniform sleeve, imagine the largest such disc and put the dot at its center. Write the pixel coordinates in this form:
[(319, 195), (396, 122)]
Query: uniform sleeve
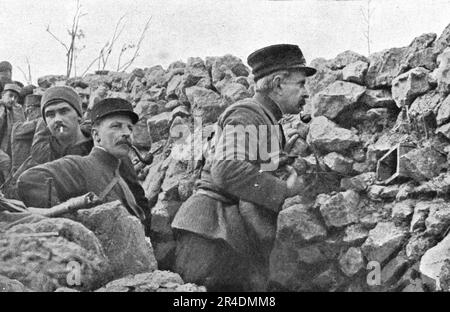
[(67, 182), (242, 176), (41, 151), (2, 116)]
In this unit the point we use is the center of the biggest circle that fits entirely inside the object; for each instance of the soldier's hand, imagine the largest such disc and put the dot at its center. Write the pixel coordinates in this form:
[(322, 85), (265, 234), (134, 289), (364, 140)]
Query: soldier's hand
[(295, 184)]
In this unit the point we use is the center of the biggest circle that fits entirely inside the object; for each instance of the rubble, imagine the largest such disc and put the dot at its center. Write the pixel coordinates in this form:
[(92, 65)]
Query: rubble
[(408, 86)]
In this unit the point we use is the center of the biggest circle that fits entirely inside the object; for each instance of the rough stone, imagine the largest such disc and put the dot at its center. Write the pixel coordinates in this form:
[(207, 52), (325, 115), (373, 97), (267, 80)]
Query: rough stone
[(377, 98), (443, 115), (323, 77), (383, 241), (158, 126), (196, 73), (355, 234), (434, 259), (328, 280), (384, 67), (299, 225), (442, 73), (420, 53), (162, 215), (335, 98), (393, 270), (346, 58), (157, 281), (233, 92), (425, 104), (423, 163), (408, 86), (402, 210), (42, 263), (355, 72), (352, 261), (155, 75), (328, 136), (341, 209), (438, 219), (50, 80), (122, 237), (338, 163), (418, 245), (11, 285), (220, 66), (205, 103)]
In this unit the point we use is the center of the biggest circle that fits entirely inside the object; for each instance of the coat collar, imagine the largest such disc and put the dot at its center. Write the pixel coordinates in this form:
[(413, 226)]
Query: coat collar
[(104, 157), (269, 104)]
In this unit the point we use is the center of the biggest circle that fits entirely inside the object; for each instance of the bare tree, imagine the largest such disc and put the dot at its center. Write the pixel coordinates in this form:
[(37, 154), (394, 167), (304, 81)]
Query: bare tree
[(27, 76), (75, 34), (366, 13)]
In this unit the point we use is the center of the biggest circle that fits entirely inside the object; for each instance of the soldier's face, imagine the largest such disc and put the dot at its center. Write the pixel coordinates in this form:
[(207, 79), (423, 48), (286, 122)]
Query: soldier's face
[(5, 76), (293, 93), (113, 133), (62, 120), (10, 97)]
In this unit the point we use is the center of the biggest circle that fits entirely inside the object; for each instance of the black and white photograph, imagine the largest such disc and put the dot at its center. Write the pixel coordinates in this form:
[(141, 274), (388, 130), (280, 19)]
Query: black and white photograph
[(238, 149)]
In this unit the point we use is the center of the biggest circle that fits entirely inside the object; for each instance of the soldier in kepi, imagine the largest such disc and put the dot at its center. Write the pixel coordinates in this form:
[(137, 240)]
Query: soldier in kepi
[(10, 113), (107, 170), (226, 229)]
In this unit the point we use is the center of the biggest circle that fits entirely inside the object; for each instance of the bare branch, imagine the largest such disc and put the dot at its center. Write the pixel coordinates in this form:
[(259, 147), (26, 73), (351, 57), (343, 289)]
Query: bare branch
[(138, 46), (23, 73), (56, 38)]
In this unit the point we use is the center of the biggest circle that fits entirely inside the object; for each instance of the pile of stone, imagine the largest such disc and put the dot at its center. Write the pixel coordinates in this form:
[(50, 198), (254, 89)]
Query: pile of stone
[(370, 226)]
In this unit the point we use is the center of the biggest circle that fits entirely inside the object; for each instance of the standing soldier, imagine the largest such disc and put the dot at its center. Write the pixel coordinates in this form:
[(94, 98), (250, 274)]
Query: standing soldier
[(10, 113), (225, 230)]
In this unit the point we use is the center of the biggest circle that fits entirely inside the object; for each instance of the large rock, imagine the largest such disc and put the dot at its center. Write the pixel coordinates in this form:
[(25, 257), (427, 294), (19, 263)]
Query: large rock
[(157, 281), (384, 67), (335, 98), (418, 245), (45, 254), (403, 210), (51, 80), (328, 136), (341, 209), (233, 92), (155, 76), (408, 86), (438, 220), (355, 234), (220, 66), (196, 73), (442, 73), (423, 163), (360, 182), (298, 225), (11, 285), (385, 239), (425, 104), (338, 163), (377, 98), (323, 77), (443, 41), (205, 103), (122, 237), (355, 72), (346, 58), (158, 126), (434, 259), (443, 115), (352, 261), (420, 53)]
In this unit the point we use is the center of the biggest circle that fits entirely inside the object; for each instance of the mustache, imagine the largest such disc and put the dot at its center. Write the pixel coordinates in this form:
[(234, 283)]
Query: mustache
[(124, 141)]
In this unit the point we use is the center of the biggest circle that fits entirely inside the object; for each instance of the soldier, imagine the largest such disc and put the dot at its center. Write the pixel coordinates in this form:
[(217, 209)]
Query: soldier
[(107, 170), (59, 132), (5, 74), (226, 229), (10, 113)]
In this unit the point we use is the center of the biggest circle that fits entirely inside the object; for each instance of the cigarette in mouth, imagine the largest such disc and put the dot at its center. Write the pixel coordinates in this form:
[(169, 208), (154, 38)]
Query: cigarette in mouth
[(61, 130)]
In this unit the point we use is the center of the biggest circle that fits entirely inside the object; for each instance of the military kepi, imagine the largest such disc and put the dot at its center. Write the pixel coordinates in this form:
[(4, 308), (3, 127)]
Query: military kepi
[(113, 106), (277, 57)]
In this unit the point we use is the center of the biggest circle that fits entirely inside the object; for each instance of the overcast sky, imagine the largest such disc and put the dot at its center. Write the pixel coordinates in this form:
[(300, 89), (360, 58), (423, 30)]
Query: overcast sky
[(180, 28)]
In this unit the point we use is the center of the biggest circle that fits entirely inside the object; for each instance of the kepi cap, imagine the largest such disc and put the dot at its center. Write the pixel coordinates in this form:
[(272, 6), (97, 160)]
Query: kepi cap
[(278, 57), (113, 106), (12, 87)]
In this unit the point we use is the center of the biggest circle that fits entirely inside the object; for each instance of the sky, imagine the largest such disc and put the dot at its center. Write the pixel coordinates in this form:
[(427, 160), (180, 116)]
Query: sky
[(180, 29)]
